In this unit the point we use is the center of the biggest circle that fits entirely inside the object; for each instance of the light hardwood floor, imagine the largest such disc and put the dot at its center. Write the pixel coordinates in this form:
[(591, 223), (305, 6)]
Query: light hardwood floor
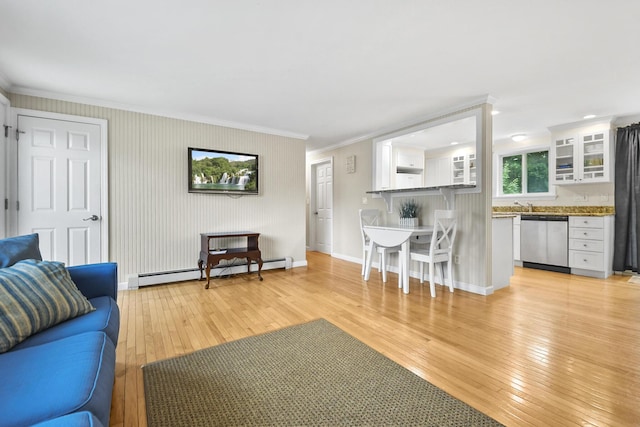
[(552, 349)]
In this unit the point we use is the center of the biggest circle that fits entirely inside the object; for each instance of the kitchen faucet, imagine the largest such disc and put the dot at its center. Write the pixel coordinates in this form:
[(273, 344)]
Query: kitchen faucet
[(529, 205)]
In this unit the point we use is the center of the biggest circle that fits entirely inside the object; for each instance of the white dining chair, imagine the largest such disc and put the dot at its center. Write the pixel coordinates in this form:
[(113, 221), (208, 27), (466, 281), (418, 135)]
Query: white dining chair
[(371, 217), (440, 249)]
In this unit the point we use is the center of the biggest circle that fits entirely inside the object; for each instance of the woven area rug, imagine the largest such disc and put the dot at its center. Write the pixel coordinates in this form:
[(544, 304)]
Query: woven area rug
[(309, 374)]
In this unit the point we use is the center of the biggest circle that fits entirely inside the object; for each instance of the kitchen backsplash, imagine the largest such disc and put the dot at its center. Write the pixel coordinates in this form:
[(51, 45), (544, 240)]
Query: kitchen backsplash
[(601, 210)]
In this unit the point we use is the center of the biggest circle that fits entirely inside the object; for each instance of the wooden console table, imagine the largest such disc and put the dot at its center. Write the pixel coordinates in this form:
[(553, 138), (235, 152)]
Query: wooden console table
[(211, 258)]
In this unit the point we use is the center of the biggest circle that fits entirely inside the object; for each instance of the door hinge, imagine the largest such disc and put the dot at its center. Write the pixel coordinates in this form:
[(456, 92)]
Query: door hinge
[(6, 130), (17, 205), (6, 204)]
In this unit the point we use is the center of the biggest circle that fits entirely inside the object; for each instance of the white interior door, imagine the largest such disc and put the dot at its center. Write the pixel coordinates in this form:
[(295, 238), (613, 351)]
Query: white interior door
[(59, 187), (4, 130), (324, 206)]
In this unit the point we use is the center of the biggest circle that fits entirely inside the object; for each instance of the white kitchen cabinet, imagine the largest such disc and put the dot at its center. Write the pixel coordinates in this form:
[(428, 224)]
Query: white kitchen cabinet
[(502, 253), (409, 159), (463, 169), (437, 172), (471, 168), (385, 167), (408, 180), (516, 240), (409, 168), (582, 159), (591, 245)]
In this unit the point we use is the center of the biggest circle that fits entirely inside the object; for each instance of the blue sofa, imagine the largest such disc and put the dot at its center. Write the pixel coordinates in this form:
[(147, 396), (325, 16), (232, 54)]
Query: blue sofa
[(63, 375)]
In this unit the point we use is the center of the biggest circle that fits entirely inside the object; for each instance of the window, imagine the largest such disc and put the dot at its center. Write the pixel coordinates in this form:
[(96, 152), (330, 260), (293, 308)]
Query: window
[(525, 173)]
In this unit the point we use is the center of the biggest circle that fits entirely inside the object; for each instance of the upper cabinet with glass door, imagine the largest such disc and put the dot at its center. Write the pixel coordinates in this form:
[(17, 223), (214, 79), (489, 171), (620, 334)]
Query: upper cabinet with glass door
[(582, 159), (464, 169), (433, 155)]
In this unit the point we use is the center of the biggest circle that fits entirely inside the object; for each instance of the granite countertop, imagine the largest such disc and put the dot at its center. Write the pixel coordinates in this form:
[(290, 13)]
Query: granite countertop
[(503, 211)]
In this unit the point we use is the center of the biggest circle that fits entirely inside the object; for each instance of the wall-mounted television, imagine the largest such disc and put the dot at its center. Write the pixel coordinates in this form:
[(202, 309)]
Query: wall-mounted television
[(227, 172)]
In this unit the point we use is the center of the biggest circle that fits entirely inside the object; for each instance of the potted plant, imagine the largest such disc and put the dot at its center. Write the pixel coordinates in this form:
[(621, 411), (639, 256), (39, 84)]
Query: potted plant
[(409, 213)]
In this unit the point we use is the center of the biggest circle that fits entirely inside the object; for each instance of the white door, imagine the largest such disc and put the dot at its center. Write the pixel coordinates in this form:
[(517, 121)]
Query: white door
[(4, 121), (59, 187), (324, 206)]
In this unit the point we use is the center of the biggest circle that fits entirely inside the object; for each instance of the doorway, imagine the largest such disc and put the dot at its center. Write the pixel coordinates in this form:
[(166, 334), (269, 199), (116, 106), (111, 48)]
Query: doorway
[(59, 184), (321, 206), (4, 140)]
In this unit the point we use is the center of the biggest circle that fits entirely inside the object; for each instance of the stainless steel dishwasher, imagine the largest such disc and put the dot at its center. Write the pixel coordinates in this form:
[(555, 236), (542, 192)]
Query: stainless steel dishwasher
[(544, 242)]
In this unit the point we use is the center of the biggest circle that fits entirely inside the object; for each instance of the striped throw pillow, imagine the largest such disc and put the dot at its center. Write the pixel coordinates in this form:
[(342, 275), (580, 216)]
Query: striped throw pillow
[(35, 295)]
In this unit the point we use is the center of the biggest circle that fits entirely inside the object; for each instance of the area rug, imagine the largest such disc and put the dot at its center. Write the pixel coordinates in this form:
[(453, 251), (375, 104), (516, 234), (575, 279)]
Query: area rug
[(312, 374)]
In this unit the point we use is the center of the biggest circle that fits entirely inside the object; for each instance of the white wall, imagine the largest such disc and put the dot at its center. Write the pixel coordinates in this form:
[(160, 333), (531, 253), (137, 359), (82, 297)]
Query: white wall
[(154, 223), (600, 194)]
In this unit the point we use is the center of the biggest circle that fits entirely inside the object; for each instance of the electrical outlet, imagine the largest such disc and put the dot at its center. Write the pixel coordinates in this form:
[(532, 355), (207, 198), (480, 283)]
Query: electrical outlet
[(365, 200), (456, 259)]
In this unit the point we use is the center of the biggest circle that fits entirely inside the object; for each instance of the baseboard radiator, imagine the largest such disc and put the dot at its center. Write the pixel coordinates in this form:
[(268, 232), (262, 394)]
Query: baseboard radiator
[(234, 267)]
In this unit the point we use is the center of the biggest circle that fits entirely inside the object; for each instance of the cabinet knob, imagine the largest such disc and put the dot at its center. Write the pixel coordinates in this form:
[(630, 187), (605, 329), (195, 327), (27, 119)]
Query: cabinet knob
[(585, 233)]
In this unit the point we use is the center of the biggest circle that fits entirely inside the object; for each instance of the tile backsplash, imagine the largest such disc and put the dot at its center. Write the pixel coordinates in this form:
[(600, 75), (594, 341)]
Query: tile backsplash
[(587, 210)]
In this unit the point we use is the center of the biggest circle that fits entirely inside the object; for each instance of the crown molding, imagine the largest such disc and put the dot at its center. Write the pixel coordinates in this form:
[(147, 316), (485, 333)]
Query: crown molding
[(5, 84), (485, 99), (623, 121), (156, 112), (606, 120)]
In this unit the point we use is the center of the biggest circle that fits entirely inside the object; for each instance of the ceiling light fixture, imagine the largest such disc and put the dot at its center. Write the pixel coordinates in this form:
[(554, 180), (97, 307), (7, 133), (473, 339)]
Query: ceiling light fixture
[(519, 137), (495, 112), (455, 143), (589, 116)]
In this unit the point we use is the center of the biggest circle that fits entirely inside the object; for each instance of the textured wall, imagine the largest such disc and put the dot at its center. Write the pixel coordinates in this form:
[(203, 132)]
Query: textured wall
[(154, 223), (474, 211)]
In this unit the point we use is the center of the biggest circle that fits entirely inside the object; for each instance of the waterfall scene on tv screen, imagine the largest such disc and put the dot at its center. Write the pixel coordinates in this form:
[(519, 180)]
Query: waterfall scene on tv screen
[(220, 171)]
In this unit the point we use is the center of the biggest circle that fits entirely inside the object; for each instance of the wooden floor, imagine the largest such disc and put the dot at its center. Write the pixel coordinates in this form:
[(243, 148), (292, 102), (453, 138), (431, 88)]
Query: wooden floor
[(550, 350)]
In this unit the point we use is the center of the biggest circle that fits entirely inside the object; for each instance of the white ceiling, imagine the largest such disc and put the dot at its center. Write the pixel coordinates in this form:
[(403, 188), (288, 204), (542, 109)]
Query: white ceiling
[(334, 71), (458, 132)]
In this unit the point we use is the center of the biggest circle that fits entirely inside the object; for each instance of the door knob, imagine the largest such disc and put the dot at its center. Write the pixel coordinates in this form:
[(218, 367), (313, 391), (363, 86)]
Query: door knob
[(92, 218)]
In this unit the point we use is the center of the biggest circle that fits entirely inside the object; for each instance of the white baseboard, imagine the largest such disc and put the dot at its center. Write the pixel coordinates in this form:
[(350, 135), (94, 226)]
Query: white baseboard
[(137, 280), (467, 287), (349, 258)]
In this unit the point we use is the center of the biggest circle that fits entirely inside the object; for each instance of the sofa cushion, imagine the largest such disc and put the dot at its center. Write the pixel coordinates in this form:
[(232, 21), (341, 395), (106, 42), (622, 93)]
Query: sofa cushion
[(78, 419), (96, 280), (35, 295), (58, 378), (14, 249), (105, 318)]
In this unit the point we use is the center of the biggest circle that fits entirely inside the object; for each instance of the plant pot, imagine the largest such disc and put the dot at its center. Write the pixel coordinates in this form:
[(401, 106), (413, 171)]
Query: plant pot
[(408, 222)]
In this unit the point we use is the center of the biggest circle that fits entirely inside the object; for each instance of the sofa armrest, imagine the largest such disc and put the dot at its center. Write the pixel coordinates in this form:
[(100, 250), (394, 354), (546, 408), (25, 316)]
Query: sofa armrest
[(96, 280)]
